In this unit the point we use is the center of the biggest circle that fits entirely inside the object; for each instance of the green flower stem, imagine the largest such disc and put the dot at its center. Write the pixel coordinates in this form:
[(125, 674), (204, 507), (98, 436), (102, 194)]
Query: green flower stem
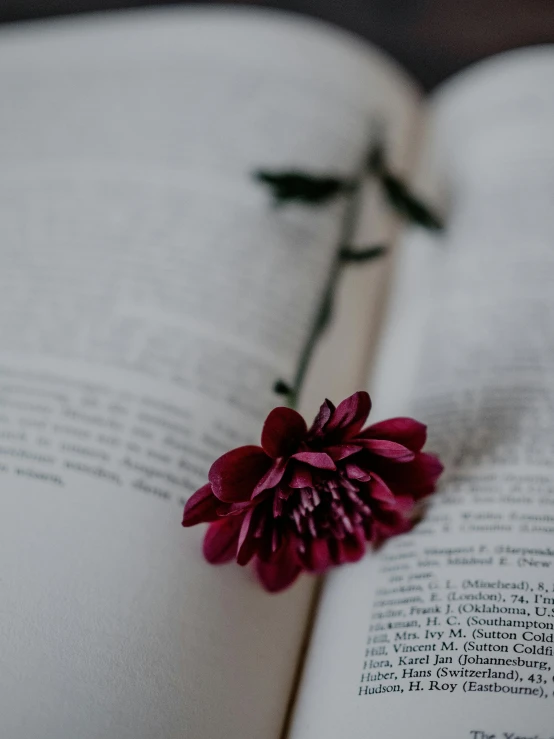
[(323, 315)]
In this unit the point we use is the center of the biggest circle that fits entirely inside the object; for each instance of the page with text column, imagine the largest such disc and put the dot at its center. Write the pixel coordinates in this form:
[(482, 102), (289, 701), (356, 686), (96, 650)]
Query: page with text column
[(448, 631), (151, 296)]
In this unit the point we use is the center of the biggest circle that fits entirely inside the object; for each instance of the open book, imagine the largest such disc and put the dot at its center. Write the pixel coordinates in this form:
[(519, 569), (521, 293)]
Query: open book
[(151, 296)]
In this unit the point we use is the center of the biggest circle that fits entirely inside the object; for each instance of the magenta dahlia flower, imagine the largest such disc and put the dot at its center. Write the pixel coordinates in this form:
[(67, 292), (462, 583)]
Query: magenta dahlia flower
[(309, 499)]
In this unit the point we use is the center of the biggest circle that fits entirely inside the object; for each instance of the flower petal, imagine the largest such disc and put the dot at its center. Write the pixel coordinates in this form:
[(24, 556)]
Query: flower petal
[(272, 477), (316, 556), (232, 509), (380, 491), (283, 430), (201, 507), (316, 459), (220, 542), (352, 548), (387, 524), (406, 431), (341, 451), (280, 571), (246, 545), (354, 472), (350, 415), (389, 449), (325, 412), (382, 499), (415, 479), (235, 475), (301, 477), (429, 467)]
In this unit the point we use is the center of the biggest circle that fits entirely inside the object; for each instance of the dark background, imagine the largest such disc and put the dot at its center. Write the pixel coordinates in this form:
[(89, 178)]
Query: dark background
[(432, 38)]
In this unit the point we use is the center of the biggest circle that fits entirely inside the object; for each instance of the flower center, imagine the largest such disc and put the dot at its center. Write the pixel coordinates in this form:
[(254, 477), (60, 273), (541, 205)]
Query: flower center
[(331, 507)]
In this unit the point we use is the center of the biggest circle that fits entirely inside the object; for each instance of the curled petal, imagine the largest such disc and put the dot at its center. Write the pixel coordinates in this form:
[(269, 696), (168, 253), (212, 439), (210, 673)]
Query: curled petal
[(380, 491), (280, 571), (316, 459), (342, 451), (406, 431), (384, 499), (235, 475), (246, 545), (388, 449), (232, 509), (320, 422), (272, 477), (201, 507), (354, 472), (350, 415), (301, 477), (319, 460), (220, 542), (283, 430)]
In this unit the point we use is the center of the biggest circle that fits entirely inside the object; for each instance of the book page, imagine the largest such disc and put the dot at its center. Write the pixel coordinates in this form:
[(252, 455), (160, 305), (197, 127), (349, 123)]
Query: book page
[(151, 296), (449, 631)]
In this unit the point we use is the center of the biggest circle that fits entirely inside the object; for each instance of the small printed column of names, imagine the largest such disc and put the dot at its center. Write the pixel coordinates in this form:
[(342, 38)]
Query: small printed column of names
[(434, 627)]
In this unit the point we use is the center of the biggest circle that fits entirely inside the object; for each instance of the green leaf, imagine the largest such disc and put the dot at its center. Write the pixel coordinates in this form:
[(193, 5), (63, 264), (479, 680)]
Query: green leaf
[(399, 196), (294, 185), (407, 204), (281, 388), (350, 254)]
